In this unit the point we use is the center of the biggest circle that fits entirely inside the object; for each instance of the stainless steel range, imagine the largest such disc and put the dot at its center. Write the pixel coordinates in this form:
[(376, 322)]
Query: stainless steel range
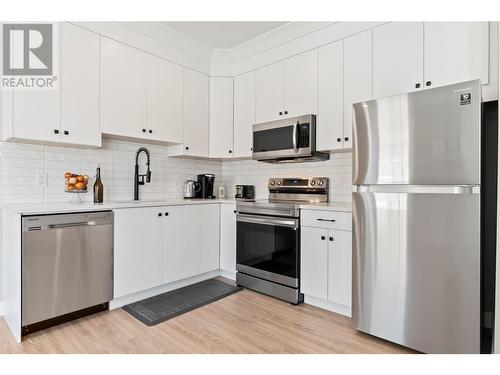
[(268, 237)]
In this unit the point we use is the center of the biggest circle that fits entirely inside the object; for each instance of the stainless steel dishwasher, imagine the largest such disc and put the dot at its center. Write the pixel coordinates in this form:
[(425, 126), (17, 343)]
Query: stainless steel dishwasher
[(67, 267)]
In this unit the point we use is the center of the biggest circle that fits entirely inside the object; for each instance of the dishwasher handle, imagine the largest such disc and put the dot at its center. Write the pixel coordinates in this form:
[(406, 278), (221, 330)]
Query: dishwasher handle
[(57, 221), (69, 225)]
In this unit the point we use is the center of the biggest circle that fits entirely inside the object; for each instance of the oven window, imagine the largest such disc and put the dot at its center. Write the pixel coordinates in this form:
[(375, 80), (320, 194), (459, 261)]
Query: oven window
[(275, 139), (269, 248)]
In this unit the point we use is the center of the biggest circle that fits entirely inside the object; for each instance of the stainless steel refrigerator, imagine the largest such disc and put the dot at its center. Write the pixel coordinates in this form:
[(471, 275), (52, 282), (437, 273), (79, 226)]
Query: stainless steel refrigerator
[(416, 218)]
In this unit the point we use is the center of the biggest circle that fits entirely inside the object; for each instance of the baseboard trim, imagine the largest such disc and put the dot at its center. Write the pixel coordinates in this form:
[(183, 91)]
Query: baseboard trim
[(327, 305), (131, 298)]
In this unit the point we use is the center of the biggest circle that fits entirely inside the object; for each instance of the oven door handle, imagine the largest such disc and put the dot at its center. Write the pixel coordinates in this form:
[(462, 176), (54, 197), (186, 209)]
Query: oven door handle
[(295, 147), (289, 223)]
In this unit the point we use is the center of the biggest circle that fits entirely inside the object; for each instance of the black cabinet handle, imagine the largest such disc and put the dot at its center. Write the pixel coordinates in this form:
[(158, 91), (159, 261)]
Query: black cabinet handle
[(339, 139), (330, 220), (56, 131), (417, 85), (346, 139), (159, 214), (187, 148), (323, 238), (251, 148), (235, 211), (144, 130), (281, 113), (166, 213), (330, 238), (230, 151), (66, 132), (286, 112), (428, 83), (150, 131)]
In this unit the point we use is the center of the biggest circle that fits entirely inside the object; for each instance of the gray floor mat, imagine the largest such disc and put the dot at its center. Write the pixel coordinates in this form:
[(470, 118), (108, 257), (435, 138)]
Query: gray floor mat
[(157, 309)]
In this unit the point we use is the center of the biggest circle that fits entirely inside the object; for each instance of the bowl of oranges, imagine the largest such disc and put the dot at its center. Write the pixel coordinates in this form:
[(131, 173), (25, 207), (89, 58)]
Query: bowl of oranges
[(75, 183)]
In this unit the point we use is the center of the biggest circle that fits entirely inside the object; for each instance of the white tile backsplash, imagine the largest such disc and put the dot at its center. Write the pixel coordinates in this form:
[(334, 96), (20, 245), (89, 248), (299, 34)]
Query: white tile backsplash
[(20, 163), (337, 169)]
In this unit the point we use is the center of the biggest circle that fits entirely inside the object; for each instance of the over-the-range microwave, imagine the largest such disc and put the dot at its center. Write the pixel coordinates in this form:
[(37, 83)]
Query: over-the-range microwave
[(288, 140)]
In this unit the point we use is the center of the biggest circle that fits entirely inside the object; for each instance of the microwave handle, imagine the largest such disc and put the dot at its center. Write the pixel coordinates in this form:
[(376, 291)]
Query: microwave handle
[(295, 147)]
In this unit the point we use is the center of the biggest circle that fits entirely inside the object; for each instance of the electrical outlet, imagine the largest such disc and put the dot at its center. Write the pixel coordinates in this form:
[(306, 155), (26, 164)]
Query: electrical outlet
[(41, 180)]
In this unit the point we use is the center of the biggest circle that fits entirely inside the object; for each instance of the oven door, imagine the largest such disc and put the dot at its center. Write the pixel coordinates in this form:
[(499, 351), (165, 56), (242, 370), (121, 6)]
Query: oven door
[(267, 247), (288, 138)]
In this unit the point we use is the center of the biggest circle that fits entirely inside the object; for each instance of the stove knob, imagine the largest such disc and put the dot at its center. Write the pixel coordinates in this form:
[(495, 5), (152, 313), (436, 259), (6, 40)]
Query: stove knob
[(313, 182), (320, 182), (272, 182), (279, 183)]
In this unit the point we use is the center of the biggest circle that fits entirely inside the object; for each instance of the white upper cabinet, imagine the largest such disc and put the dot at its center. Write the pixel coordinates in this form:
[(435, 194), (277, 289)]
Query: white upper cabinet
[(123, 90), (244, 114), (164, 100), (269, 93), (79, 86), (398, 56), (221, 117), (196, 117), (70, 113), (330, 119), (287, 88), (455, 52), (301, 84), (357, 77)]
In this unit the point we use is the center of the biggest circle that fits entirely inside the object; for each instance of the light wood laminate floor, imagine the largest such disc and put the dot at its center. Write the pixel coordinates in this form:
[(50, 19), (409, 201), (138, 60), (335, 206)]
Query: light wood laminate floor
[(245, 322)]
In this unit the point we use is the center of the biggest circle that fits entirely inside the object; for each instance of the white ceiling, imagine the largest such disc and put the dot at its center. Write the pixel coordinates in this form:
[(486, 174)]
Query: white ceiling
[(223, 35)]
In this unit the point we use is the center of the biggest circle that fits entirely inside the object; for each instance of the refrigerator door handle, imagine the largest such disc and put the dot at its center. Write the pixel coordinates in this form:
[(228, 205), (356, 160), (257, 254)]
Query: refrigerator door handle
[(416, 189)]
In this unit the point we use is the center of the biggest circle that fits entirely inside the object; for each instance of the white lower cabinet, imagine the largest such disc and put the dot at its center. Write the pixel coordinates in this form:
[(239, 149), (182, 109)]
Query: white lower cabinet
[(137, 250), (314, 262), (339, 267), (325, 266), (159, 245), (190, 241), (228, 238)]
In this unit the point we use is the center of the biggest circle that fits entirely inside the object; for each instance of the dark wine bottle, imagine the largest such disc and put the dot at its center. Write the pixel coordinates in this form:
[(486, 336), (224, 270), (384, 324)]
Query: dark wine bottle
[(98, 186)]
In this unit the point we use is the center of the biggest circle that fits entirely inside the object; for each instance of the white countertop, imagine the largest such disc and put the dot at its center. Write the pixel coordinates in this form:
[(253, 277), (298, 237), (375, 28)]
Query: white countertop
[(62, 207), (330, 206)]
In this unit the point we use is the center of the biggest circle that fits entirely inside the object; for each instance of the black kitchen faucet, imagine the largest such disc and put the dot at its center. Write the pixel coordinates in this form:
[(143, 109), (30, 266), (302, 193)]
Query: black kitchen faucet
[(139, 178)]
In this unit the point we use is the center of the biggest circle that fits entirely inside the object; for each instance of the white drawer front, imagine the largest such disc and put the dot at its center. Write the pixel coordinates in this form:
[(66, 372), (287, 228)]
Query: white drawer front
[(326, 219)]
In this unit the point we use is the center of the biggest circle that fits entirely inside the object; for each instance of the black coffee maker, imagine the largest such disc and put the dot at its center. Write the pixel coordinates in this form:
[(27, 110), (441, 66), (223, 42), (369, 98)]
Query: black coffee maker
[(206, 183)]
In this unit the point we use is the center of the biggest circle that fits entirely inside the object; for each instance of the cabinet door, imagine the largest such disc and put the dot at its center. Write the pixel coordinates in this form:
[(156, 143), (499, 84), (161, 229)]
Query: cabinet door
[(221, 117), (36, 113), (208, 219), (244, 114), (314, 262), (330, 119), (301, 84), (137, 250), (228, 237), (269, 93), (456, 52), (357, 77), (340, 267), (398, 60), (123, 89), (79, 86), (196, 107), (164, 100)]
